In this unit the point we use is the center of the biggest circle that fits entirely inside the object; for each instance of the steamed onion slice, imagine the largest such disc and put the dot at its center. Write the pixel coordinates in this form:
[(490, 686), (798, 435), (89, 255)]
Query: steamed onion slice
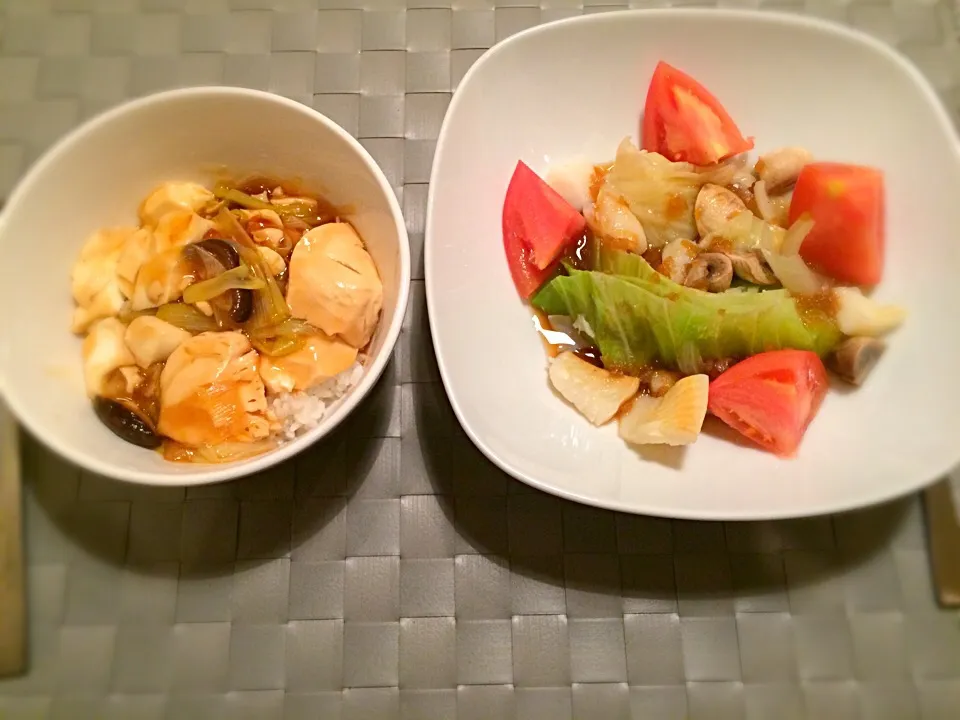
[(269, 306), (238, 278), (595, 392), (676, 418)]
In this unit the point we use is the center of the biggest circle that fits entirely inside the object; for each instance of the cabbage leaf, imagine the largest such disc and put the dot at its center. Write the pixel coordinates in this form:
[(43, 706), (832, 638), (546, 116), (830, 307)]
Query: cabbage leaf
[(640, 318)]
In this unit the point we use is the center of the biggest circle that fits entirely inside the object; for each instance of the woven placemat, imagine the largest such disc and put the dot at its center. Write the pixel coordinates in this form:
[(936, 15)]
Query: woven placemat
[(391, 571)]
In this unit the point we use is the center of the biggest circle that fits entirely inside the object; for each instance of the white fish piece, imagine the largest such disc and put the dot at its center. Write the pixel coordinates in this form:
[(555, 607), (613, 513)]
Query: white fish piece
[(162, 279), (94, 283), (334, 284), (211, 392), (151, 340), (104, 351), (173, 196), (180, 227), (137, 249)]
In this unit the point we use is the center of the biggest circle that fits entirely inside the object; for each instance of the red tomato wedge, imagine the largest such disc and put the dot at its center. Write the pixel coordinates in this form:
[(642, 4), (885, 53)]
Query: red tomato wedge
[(771, 398), (538, 225), (847, 205), (684, 122)]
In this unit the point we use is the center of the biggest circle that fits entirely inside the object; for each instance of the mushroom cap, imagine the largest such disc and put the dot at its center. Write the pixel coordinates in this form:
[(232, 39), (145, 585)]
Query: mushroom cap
[(712, 272)]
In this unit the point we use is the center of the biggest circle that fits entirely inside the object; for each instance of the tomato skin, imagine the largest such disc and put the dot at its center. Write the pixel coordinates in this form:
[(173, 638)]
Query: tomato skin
[(771, 398), (847, 205), (538, 225), (684, 122), (526, 275)]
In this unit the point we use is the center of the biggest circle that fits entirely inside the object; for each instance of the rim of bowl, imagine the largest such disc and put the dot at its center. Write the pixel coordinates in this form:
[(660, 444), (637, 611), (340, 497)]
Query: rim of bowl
[(747, 15), (217, 473)]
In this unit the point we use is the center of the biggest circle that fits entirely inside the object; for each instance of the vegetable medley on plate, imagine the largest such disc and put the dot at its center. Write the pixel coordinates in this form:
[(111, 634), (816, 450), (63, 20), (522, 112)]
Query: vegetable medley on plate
[(227, 322), (681, 279)]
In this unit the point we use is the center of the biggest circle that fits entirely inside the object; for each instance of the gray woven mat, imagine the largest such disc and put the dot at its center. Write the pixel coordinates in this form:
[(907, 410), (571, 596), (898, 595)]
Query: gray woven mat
[(391, 571)]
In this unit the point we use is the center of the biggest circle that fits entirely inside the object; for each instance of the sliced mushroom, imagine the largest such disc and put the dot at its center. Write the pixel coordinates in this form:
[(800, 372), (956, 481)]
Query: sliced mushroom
[(211, 257), (126, 422), (855, 357), (715, 206), (780, 168), (752, 268), (712, 272)]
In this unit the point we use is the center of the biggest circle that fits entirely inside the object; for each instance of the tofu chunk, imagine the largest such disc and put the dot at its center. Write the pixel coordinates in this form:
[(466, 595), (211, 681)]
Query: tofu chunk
[(321, 358), (334, 284)]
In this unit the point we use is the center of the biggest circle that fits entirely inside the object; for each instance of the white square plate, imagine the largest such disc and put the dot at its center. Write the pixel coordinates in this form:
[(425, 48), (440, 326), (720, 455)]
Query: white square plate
[(577, 87)]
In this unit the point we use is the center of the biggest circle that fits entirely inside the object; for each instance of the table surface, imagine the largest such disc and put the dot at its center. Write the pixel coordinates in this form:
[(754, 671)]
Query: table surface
[(391, 571)]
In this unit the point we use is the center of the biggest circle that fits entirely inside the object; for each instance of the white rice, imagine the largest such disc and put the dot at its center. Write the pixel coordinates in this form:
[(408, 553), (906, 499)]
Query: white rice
[(300, 411)]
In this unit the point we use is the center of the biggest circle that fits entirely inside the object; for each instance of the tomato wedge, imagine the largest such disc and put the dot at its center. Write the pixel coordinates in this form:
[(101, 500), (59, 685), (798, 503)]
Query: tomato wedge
[(684, 122), (771, 398), (538, 225), (846, 203)]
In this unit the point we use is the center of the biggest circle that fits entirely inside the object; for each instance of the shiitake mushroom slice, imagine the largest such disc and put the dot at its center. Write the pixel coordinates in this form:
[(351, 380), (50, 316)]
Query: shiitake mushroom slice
[(126, 422), (237, 304)]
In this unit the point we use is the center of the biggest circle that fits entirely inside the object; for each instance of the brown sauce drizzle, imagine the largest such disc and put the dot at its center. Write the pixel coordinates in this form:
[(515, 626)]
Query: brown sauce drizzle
[(557, 341)]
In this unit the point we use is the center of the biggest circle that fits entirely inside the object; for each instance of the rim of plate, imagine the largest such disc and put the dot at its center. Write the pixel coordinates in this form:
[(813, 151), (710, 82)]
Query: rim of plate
[(925, 476), (374, 370)]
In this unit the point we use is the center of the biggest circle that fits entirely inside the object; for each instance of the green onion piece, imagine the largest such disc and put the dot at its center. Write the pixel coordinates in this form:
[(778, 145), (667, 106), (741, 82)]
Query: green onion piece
[(239, 278), (304, 210), (128, 315), (279, 340), (269, 306), (186, 317)]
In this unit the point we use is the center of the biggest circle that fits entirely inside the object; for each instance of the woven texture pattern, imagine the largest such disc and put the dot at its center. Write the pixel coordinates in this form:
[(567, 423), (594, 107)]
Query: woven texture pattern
[(391, 572)]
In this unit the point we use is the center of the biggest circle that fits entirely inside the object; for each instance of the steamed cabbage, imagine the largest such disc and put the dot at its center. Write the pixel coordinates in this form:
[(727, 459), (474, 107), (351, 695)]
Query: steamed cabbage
[(660, 193), (640, 318)]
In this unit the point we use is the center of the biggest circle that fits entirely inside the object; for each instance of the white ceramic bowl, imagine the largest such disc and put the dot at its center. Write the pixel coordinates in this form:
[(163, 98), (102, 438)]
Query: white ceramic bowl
[(577, 87), (96, 177)]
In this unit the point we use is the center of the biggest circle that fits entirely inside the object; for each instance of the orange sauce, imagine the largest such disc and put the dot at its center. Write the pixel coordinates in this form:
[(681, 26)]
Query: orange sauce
[(596, 180), (676, 207)]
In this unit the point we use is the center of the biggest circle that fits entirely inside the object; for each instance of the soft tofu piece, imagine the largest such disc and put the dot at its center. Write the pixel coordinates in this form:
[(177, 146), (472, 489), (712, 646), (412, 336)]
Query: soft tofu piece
[(172, 196), (211, 392), (94, 281), (321, 358), (162, 279), (152, 340), (595, 392), (104, 351), (674, 419), (334, 284)]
